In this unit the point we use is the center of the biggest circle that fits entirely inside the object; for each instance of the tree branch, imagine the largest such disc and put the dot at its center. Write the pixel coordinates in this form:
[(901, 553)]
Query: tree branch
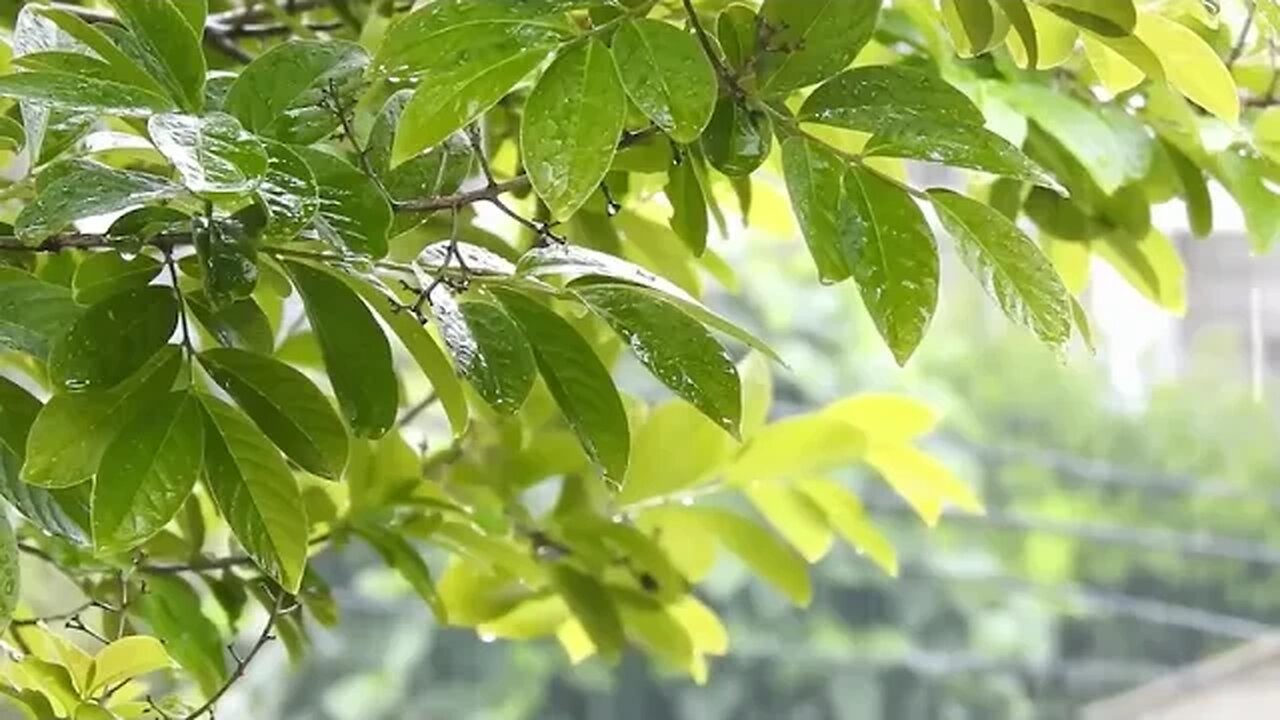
[(242, 663)]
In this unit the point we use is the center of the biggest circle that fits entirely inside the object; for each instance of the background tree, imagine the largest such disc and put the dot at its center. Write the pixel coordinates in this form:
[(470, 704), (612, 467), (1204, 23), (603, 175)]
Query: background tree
[(228, 215)]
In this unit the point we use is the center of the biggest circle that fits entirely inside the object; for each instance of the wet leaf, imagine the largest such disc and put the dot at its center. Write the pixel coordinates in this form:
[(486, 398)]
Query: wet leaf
[(213, 153), (880, 98), (240, 324), (573, 120), (674, 347), (171, 607), (33, 313), (61, 513), (398, 554), (286, 405), (70, 91), (667, 75), (229, 261), (689, 206), (147, 472), (172, 47), (488, 348), (354, 214), (113, 339), (738, 139), (102, 275), (288, 191), (84, 189), (811, 41)]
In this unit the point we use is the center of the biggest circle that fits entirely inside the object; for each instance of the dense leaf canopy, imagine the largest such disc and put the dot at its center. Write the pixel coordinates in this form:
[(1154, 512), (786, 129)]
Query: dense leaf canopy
[(253, 254)]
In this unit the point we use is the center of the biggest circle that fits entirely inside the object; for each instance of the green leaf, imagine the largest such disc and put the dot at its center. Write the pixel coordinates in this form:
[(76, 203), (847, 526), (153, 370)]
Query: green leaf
[(578, 381), (73, 431), (593, 607), (1191, 65), (430, 358), (1112, 18), (70, 91), (736, 31), (1151, 265), (438, 171), (738, 138), (896, 265), (147, 472), (811, 41), (652, 627), (667, 75), (1195, 189), (229, 261), (689, 206), (796, 517), (398, 554), (674, 347), (10, 573), (356, 353), (288, 191), (171, 608), (102, 275), (972, 24), (473, 53), (33, 313), (213, 153), (880, 98), (761, 550), (81, 189), (965, 146), (1009, 265), (488, 348), (12, 135), (354, 215), (1020, 17), (573, 119), (797, 446), (125, 659), (287, 406), (884, 417), (926, 484), (171, 44), (284, 94), (573, 262), (757, 393), (123, 68), (255, 492), (816, 181), (61, 513), (848, 518), (240, 324), (113, 339)]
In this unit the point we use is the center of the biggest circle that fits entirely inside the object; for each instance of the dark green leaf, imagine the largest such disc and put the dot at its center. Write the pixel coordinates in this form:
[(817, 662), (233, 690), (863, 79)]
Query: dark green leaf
[(1195, 191), (593, 607), (572, 262), (122, 67), (439, 171), (895, 260), (1112, 18), (145, 223), (674, 347), (573, 119), (356, 353), (171, 43), (972, 24), (430, 358), (229, 262), (966, 146), (879, 98), (72, 431), (84, 189), (816, 178), (147, 472), (689, 206), (171, 608), (102, 275), (12, 135), (113, 339), (288, 191), (255, 492), (488, 348), (736, 31), (473, 53), (287, 406), (667, 75), (397, 553), (354, 214), (1010, 266), (84, 94), (811, 41), (33, 313), (213, 153), (241, 324), (739, 138), (284, 94), (578, 381)]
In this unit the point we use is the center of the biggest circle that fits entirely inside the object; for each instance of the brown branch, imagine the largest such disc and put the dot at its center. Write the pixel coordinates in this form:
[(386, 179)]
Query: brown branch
[(726, 75), (242, 663), (1238, 49)]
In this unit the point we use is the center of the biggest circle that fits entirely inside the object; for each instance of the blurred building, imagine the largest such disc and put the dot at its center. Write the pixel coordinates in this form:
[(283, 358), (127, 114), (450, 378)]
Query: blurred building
[(1243, 684)]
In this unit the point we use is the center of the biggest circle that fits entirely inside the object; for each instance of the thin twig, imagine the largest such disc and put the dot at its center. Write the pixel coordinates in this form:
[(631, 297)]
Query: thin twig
[(277, 610), (726, 75), (1238, 49)]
